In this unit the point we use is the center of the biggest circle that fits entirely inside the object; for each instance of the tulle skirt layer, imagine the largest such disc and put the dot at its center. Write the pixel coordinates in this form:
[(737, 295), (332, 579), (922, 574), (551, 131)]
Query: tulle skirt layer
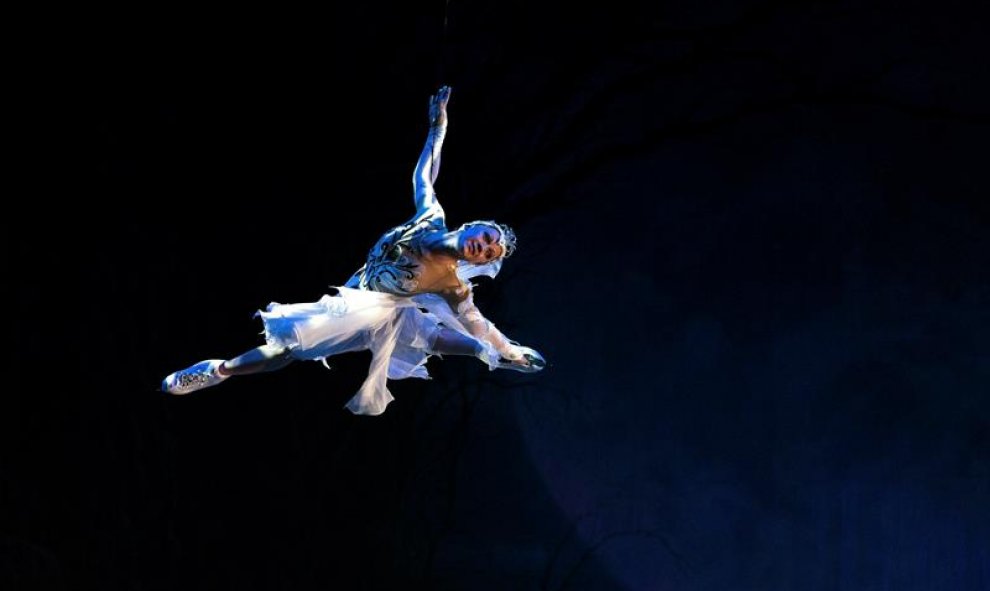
[(394, 328)]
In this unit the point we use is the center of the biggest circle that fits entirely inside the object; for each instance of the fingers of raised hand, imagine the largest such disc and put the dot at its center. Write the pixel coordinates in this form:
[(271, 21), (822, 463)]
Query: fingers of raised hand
[(443, 95)]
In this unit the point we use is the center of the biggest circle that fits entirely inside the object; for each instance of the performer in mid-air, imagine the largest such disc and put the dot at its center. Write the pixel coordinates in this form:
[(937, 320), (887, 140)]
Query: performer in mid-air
[(411, 299)]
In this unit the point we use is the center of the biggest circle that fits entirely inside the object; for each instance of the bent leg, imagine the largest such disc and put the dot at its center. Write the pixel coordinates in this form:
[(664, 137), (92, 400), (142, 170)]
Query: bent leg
[(451, 342), (447, 341)]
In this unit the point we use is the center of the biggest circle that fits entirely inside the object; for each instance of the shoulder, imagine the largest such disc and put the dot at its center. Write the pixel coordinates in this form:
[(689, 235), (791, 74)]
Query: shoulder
[(431, 215), (426, 220)]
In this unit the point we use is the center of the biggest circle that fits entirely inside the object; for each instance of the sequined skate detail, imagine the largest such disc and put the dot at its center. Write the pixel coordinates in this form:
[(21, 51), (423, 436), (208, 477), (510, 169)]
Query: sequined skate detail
[(196, 380), (202, 375)]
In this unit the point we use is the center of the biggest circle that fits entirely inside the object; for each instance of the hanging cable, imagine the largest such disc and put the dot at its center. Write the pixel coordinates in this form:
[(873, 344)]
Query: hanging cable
[(441, 70)]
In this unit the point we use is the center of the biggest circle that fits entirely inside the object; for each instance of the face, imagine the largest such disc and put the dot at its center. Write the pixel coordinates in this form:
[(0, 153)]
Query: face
[(479, 244)]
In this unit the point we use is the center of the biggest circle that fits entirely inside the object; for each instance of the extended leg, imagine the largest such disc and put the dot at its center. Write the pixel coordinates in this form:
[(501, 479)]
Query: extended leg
[(213, 371), (257, 360)]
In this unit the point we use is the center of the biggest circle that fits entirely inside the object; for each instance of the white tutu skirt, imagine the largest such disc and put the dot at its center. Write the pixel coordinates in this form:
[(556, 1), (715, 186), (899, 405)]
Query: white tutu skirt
[(393, 328)]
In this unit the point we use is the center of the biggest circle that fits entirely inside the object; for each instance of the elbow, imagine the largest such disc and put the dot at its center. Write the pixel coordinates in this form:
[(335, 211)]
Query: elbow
[(423, 196)]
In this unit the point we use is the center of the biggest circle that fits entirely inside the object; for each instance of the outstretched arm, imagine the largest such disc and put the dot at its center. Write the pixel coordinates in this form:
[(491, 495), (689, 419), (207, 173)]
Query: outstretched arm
[(428, 166)]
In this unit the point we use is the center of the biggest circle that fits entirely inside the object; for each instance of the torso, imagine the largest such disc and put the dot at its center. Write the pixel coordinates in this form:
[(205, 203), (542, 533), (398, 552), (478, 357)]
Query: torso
[(398, 264), (437, 273)]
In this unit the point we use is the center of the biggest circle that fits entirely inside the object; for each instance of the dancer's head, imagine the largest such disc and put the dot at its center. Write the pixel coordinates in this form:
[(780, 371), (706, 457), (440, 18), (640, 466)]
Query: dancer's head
[(482, 242)]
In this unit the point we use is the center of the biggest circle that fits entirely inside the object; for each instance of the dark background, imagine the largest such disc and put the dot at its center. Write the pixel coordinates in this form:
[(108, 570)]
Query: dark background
[(753, 246)]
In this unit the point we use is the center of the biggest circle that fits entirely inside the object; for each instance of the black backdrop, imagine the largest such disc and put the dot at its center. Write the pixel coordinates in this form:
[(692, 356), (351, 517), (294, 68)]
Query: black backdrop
[(753, 246)]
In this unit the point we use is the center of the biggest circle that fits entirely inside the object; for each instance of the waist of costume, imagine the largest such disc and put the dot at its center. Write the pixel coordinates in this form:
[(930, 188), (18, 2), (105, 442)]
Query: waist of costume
[(398, 330)]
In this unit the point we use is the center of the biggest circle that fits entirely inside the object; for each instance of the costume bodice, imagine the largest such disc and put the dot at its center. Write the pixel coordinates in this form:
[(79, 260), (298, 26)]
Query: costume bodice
[(395, 264)]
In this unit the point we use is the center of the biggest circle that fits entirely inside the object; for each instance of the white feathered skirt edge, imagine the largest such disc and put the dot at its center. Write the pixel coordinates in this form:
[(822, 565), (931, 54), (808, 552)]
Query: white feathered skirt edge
[(396, 331)]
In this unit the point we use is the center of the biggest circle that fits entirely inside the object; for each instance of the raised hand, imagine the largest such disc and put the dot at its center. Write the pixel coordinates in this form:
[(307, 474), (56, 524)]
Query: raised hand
[(438, 107)]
